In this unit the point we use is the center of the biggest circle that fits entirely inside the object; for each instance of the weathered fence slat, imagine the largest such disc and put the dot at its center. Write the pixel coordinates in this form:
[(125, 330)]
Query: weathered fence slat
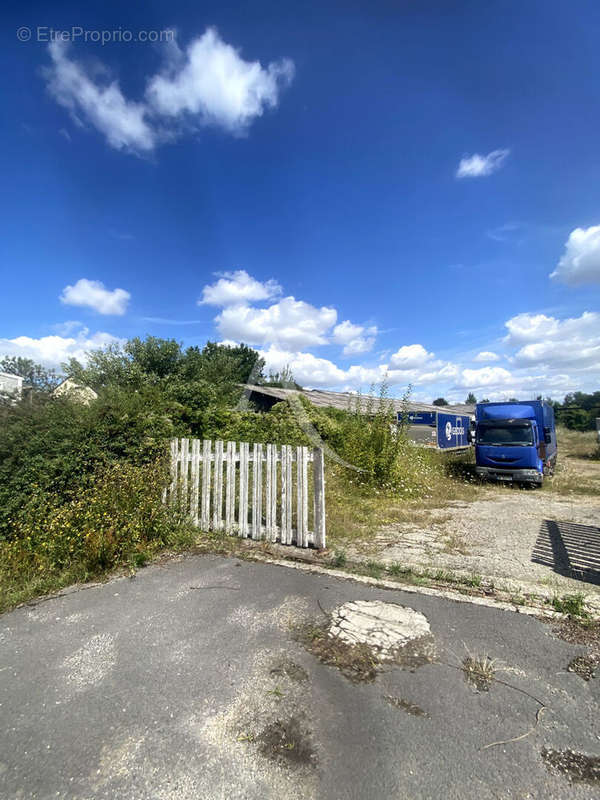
[(268, 490), (319, 478), (243, 509), (218, 487), (257, 468), (206, 466), (205, 483), (230, 488), (195, 471)]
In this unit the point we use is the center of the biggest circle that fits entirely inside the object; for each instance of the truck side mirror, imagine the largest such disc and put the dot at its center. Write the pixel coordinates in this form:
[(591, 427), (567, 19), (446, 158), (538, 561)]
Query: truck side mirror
[(548, 438)]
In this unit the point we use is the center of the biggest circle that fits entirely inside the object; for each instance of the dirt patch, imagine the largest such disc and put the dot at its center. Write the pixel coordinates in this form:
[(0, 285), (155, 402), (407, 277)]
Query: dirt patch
[(586, 633), (584, 666), (479, 672), (288, 668), (577, 767), (359, 662), (415, 654), (287, 742), (404, 705)]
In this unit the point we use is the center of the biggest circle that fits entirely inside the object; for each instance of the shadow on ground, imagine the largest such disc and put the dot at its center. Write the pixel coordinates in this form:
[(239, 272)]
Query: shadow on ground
[(569, 549)]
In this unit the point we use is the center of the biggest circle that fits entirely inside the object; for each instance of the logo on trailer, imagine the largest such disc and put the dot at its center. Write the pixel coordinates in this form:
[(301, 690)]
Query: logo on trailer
[(456, 430)]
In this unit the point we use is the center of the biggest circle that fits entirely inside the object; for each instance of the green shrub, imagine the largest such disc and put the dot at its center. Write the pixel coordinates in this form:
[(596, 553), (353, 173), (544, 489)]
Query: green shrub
[(118, 517), (571, 604), (370, 442), (57, 446)]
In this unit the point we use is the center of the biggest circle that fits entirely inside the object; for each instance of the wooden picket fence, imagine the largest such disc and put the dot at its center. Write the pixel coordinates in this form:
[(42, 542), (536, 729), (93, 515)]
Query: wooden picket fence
[(252, 491)]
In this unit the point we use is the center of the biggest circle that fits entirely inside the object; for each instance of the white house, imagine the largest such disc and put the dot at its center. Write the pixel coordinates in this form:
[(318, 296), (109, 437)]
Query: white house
[(11, 385), (68, 387)]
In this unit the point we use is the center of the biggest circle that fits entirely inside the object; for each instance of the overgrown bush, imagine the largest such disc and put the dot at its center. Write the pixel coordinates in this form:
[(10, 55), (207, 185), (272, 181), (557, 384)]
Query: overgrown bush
[(58, 445), (370, 441), (118, 517)]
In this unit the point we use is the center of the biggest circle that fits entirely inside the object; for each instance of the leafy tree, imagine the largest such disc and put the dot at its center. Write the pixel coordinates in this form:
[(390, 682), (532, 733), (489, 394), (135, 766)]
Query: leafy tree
[(221, 363), (440, 401), (471, 399), (163, 362), (35, 375)]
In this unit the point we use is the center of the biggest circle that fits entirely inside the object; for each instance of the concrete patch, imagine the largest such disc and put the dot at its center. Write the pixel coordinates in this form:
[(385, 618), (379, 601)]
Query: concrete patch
[(287, 614), (89, 665), (383, 626), (263, 736)]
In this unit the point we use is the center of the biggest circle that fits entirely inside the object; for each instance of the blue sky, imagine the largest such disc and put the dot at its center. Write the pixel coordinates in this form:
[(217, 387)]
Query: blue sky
[(356, 189)]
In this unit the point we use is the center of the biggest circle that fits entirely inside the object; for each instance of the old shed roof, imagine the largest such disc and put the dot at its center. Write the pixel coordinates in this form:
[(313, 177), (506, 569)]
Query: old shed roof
[(345, 400)]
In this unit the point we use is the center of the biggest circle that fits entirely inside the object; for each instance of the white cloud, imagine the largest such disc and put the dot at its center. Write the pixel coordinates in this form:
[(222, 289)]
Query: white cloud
[(54, 350), (528, 328), (235, 288), (355, 338), (123, 122), (208, 84), (580, 263), (573, 343), (289, 322), (307, 369), (486, 376), (477, 166), (486, 355), (93, 294), (214, 85), (410, 356)]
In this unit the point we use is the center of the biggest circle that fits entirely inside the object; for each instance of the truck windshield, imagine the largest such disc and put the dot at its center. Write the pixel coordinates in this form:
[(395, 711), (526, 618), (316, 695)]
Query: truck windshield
[(505, 435)]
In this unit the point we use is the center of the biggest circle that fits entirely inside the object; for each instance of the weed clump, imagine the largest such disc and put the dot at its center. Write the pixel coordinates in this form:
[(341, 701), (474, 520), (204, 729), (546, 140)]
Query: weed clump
[(479, 671), (358, 662), (570, 604)]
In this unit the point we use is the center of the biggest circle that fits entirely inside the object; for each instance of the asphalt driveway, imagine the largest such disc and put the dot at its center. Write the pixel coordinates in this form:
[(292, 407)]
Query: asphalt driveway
[(186, 682)]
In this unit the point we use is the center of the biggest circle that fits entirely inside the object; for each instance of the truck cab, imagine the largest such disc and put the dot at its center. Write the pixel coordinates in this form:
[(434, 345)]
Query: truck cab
[(515, 442)]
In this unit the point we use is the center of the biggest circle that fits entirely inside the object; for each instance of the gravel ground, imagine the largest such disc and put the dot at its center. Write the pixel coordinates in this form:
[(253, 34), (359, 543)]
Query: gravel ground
[(521, 540)]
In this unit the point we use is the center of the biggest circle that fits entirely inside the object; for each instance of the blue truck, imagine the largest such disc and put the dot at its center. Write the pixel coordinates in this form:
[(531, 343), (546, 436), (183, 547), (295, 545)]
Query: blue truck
[(515, 441)]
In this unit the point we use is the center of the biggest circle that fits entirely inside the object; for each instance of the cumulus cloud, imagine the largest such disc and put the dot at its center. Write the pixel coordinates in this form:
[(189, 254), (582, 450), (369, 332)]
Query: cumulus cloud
[(307, 369), (526, 328), (234, 288), (52, 351), (572, 343), (123, 122), (212, 83), (208, 84), (410, 356), (354, 338), (289, 322), (580, 263), (478, 166), (484, 377), (93, 294), (487, 355)]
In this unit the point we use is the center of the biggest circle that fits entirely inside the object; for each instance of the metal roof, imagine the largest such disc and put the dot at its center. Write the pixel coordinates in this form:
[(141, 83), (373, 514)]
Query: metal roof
[(347, 400)]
